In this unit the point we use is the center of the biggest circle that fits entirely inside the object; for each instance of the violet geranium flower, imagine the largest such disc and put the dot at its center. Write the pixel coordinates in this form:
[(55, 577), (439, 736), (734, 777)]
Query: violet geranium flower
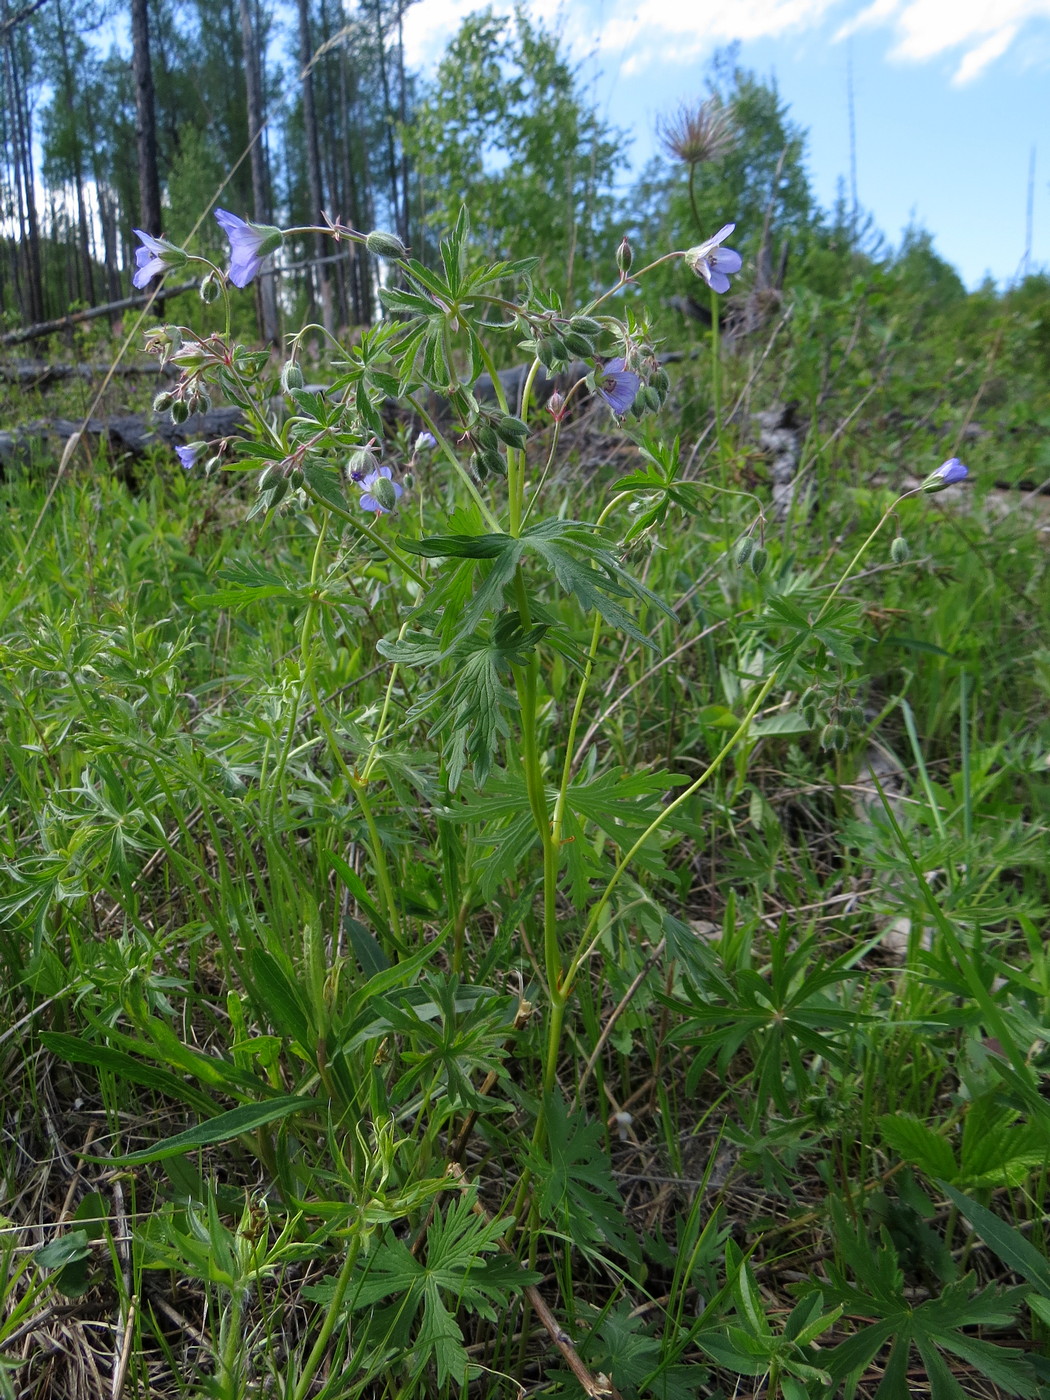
[(712, 262), (154, 258), (250, 245), (617, 385), (188, 455), (379, 492), (947, 474)]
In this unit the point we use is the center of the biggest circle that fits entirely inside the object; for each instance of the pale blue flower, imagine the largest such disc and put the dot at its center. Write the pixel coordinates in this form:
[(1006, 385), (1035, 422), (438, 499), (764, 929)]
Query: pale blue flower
[(250, 245), (188, 455), (380, 492), (154, 258), (947, 474), (712, 262), (617, 385)]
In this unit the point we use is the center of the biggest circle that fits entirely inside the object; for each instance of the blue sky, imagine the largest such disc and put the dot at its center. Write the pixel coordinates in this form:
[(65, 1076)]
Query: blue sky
[(950, 97)]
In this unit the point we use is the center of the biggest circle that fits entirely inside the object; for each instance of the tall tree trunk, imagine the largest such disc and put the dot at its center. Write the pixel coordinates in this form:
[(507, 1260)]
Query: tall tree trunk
[(318, 276), (28, 221), (403, 118), (356, 189), (145, 119), (388, 117), (83, 229), (265, 287)]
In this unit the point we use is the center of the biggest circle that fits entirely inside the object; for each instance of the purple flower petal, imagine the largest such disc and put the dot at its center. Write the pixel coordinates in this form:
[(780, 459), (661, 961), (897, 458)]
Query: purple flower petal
[(154, 258), (618, 386), (947, 474), (726, 260), (250, 245), (713, 263), (951, 471), (188, 455), (371, 502)]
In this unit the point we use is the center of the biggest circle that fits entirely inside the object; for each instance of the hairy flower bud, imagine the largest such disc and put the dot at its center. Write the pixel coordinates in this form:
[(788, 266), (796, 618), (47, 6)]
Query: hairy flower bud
[(758, 562), (210, 289), (385, 245), (899, 550), (163, 401), (624, 257), (744, 551), (361, 463), (579, 344), (179, 411), (512, 431), (556, 406), (291, 376), (383, 490)]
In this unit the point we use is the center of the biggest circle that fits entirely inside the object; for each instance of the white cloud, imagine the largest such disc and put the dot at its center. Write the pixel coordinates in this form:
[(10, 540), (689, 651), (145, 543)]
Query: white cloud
[(652, 34), (979, 58)]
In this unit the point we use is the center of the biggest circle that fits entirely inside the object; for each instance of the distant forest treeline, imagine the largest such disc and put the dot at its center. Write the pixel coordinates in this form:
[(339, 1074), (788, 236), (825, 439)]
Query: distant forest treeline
[(283, 111)]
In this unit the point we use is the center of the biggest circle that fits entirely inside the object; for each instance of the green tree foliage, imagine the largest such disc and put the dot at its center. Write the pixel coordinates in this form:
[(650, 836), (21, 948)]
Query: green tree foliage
[(505, 127)]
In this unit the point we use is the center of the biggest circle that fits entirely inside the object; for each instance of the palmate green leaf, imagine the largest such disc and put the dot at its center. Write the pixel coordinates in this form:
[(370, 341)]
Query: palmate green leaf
[(248, 582), (574, 555), (325, 482), (934, 1326), (463, 1267), (919, 1144), (577, 1192)]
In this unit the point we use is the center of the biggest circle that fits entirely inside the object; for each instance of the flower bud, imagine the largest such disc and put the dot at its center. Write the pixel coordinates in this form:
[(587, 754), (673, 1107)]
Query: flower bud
[(361, 463), (809, 714), (179, 411), (512, 431), (382, 488), (899, 550), (744, 551), (624, 257), (163, 401), (947, 474), (579, 344), (758, 561), (385, 245), (557, 347), (291, 376), (494, 463), (210, 289), (556, 406)]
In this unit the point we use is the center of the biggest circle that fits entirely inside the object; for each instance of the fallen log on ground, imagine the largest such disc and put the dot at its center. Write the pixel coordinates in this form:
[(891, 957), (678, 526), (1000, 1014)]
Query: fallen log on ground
[(36, 374), (62, 323), (130, 435)]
